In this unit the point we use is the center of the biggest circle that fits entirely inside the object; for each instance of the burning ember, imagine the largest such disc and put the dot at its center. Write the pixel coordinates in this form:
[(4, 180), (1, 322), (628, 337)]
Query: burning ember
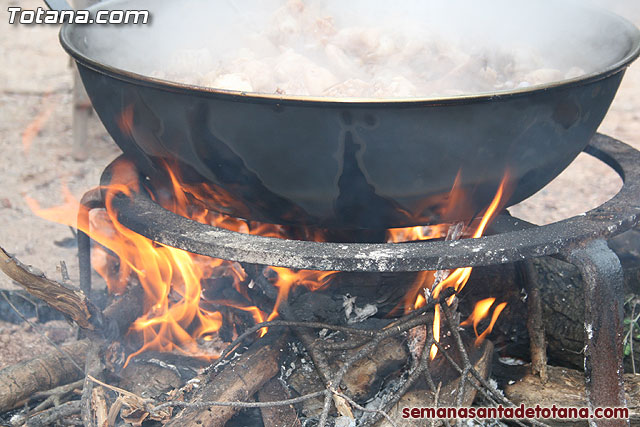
[(180, 312)]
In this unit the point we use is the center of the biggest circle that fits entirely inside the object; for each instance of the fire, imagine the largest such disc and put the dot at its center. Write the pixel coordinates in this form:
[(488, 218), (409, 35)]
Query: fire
[(481, 311), (459, 277), (258, 315), (172, 279), (436, 332), (420, 301), (178, 312), (412, 234), (312, 280)]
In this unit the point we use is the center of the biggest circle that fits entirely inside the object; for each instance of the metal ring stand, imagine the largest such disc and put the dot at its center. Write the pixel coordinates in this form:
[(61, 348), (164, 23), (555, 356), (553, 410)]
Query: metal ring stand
[(142, 215), (579, 240)]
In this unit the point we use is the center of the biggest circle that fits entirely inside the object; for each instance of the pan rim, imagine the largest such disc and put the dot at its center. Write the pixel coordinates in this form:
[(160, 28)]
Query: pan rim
[(256, 97)]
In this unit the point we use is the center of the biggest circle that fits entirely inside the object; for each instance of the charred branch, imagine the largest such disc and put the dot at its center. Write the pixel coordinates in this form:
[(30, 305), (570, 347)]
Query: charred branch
[(52, 416), (123, 311), (72, 302), (237, 381), (281, 416)]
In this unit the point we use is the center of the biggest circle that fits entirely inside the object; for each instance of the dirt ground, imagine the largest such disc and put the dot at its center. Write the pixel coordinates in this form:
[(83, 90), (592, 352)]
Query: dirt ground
[(35, 87)]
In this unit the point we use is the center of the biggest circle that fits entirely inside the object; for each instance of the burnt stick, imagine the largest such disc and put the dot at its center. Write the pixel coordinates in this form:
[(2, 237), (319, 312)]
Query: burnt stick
[(277, 416), (71, 302), (52, 416), (237, 381)]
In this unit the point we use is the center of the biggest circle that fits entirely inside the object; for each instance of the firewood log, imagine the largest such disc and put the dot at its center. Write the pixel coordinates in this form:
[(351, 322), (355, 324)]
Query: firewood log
[(562, 302), (277, 416), (564, 387), (18, 382), (236, 382)]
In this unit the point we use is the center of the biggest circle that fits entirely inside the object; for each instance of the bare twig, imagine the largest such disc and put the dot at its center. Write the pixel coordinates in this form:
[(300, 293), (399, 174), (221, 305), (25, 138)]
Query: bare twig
[(333, 381), (411, 380), (118, 390), (53, 397), (99, 405), (156, 407), (535, 325), (64, 272), (244, 405), (322, 367), (469, 369), (444, 295), (436, 403), (349, 344)]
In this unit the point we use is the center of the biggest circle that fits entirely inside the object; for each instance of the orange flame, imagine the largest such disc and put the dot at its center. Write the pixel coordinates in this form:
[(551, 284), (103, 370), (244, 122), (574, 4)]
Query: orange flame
[(480, 312), (174, 281), (413, 234), (456, 279), (312, 280), (436, 332), (171, 278), (420, 301), (258, 317)]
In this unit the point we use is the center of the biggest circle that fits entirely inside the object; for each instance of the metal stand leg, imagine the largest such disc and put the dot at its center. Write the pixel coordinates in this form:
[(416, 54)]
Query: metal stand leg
[(91, 200), (84, 262), (603, 294)]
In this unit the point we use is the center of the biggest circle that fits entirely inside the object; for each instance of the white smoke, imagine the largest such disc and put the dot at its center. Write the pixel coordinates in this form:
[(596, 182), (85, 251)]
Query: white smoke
[(629, 9), (381, 47)]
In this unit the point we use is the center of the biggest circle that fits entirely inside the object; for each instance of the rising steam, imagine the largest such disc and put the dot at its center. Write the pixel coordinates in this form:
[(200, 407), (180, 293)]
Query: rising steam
[(364, 48)]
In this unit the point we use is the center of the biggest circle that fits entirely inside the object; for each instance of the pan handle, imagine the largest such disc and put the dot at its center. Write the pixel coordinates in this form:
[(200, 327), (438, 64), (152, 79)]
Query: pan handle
[(58, 5)]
